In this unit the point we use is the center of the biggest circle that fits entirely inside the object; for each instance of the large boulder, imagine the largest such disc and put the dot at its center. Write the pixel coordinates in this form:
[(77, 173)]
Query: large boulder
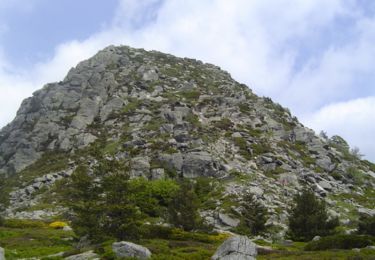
[(236, 248), (128, 249), (200, 164)]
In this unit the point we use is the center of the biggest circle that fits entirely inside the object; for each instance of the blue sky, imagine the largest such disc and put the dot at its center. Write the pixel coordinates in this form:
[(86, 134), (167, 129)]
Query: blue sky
[(316, 57)]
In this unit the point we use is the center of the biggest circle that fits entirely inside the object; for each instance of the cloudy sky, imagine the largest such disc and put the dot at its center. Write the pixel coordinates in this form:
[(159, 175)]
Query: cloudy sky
[(316, 57)]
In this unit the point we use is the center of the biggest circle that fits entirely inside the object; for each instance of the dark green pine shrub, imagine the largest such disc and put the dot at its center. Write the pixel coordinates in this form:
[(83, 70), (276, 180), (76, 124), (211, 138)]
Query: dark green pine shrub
[(253, 216), (122, 216), (183, 209), (102, 207), (366, 225), (308, 218), (82, 197), (340, 242)]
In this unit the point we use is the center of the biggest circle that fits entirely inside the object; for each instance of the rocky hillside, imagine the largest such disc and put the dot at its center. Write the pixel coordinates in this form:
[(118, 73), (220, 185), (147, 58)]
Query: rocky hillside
[(169, 117)]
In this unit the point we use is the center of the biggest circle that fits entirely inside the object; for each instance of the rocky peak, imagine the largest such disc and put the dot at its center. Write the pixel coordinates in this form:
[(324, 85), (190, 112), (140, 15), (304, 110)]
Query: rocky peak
[(165, 117)]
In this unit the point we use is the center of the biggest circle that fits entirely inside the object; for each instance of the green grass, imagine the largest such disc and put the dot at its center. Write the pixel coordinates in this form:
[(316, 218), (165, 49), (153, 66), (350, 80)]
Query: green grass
[(364, 254), (24, 240)]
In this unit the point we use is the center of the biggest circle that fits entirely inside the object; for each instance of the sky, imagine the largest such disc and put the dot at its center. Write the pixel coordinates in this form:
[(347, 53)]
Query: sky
[(316, 57)]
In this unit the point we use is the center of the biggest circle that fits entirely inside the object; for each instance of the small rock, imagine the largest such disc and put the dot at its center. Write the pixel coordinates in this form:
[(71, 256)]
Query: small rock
[(236, 248), (325, 185), (316, 238), (128, 249), (84, 256), (67, 228), (236, 135)]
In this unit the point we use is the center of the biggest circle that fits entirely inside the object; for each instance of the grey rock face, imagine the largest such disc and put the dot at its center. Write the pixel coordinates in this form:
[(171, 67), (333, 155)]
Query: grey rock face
[(236, 248), (128, 249)]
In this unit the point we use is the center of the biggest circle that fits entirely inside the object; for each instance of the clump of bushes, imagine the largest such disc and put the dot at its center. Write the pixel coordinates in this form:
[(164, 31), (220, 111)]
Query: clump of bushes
[(340, 242), (108, 204), (308, 218), (366, 225)]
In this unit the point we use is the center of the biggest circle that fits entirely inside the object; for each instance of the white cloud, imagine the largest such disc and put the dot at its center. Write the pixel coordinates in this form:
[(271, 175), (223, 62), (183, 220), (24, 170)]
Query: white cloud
[(282, 49), (353, 119)]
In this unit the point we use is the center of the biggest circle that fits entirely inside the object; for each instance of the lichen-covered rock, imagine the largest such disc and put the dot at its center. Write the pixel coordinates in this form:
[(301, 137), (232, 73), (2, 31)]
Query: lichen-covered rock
[(129, 249), (236, 248)]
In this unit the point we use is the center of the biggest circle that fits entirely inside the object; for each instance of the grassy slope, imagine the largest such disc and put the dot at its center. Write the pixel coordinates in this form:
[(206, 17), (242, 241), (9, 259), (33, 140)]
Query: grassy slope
[(23, 239)]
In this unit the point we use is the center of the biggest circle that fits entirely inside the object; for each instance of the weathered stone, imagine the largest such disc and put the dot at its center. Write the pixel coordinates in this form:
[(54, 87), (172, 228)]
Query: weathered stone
[(150, 75), (140, 167), (326, 164), (67, 228), (229, 221), (198, 164), (89, 255), (325, 185), (236, 248), (128, 249), (316, 238), (157, 174)]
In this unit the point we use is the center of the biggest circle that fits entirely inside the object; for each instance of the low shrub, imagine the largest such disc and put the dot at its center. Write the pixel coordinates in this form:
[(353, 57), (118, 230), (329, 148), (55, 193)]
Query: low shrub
[(23, 223), (340, 242), (156, 231)]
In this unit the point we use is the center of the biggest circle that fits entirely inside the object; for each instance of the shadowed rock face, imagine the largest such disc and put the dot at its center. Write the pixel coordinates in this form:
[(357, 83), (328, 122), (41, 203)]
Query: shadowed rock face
[(165, 116)]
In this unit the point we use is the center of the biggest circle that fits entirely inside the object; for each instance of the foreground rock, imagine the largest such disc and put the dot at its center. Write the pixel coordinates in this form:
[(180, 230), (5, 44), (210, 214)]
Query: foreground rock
[(236, 248), (128, 249), (2, 257)]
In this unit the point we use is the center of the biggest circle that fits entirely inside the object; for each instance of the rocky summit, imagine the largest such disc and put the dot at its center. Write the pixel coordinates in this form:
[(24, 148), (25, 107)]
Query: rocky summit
[(169, 117)]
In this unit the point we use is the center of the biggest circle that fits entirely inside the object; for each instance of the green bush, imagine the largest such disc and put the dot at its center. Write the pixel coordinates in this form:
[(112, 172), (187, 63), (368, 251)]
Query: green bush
[(308, 218), (152, 197), (340, 242), (366, 225)]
